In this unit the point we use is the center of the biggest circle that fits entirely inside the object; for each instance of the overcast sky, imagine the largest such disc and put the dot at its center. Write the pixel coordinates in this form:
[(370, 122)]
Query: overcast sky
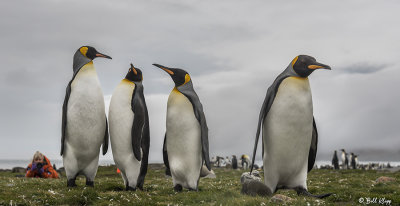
[(233, 50)]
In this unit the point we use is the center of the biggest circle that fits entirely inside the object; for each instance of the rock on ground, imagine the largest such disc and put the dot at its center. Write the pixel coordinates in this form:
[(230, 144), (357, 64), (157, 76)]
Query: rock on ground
[(255, 175), (18, 170), (280, 199), (384, 179)]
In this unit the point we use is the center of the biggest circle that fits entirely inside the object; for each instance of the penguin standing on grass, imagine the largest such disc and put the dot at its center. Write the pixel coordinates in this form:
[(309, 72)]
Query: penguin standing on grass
[(186, 139), (84, 122), (353, 161), (129, 129), (345, 160), (289, 131), (335, 161)]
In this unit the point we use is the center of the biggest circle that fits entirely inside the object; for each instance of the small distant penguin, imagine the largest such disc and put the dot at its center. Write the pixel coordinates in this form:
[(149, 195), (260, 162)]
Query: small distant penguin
[(84, 122), (129, 129), (345, 160), (352, 161), (289, 131), (186, 139), (219, 161), (335, 161), (356, 160), (245, 161), (234, 162)]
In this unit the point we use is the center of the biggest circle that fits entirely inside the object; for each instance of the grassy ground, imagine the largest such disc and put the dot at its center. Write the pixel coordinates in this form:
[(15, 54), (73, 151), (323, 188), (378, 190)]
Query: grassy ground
[(348, 185)]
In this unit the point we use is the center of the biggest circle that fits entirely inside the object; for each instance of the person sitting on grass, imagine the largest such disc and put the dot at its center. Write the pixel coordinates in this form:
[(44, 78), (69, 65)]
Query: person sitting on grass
[(40, 167)]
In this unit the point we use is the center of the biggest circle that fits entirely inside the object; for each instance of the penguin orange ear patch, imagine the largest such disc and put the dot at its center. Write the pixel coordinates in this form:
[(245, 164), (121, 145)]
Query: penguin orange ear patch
[(83, 50), (295, 60), (187, 78)]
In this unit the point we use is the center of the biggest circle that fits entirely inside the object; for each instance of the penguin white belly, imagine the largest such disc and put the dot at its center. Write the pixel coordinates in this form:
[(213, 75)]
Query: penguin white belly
[(287, 134), (121, 119), (183, 141), (86, 123)]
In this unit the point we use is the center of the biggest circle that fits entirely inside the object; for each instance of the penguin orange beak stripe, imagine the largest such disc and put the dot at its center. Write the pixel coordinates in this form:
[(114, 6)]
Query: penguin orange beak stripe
[(133, 69), (314, 66), (165, 69), (322, 66), (103, 55)]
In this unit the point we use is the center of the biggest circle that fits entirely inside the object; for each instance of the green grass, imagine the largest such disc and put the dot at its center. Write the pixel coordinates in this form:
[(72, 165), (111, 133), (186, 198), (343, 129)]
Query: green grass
[(348, 186)]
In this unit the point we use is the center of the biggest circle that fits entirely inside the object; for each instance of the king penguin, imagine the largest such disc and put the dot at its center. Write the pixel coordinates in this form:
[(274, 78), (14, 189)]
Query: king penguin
[(84, 122), (129, 129), (186, 139), (289, 131)]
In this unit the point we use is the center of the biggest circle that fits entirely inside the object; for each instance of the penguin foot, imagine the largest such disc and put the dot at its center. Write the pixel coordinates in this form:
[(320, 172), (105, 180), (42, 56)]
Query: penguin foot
[(89, 183), (302, 191), (191, 189), (129, 188), (255, 187), (178, 188), (71, 183)]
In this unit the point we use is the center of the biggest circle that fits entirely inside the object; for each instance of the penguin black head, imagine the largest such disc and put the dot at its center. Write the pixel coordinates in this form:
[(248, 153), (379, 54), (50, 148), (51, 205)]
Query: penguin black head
[(134, 74), (304, 65), (179, 76), (91, 52)]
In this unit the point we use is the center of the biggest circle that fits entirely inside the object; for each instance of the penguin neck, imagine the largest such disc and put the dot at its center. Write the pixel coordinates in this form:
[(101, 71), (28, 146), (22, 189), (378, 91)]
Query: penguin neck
[(127, 81), (87, 70), (186, 85), (79, 61)]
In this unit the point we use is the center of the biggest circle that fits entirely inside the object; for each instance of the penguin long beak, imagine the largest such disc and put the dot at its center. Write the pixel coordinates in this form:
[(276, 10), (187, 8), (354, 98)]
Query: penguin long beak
[(98, 54), (317, 65), (133, 69), (166, 69)]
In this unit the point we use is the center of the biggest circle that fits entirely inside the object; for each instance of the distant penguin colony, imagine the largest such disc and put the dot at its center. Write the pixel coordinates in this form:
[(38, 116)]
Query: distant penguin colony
[(289, 132), (84, 122)]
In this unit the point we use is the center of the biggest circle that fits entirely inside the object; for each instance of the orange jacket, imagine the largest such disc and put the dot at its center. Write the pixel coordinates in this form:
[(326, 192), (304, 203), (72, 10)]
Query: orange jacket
[(49, 172)]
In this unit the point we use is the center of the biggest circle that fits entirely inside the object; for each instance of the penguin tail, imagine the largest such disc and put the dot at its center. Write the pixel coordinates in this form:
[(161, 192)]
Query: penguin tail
[(302, 191)]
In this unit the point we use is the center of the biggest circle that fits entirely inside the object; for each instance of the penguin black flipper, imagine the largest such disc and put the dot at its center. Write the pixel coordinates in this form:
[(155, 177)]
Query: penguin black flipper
[(79, 62), (165, 156), (313, 148), (105, 142), (269, 99), (188, 91), (140, 131)]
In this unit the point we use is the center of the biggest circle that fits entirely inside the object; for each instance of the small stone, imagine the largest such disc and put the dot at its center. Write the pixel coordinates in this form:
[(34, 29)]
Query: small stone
[(278, 198), (384, 179), (246, 177)]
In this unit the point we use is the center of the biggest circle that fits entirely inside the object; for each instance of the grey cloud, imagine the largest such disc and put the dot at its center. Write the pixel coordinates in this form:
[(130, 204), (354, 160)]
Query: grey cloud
[(363, 68)]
